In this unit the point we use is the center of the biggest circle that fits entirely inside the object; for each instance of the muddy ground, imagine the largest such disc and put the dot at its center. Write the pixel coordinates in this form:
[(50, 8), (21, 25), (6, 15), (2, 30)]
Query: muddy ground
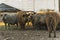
[(14, 33), (27, 35)]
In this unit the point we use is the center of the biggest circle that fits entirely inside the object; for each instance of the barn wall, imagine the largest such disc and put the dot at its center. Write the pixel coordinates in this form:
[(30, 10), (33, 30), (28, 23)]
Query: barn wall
[(46, 4), (21, 4), (28, 4)]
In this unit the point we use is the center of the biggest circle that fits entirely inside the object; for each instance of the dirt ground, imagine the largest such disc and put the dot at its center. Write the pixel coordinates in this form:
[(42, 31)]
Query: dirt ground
[(27, 35)]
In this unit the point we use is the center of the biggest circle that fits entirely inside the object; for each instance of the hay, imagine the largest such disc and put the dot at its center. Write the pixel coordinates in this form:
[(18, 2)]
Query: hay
[(2, 24)]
